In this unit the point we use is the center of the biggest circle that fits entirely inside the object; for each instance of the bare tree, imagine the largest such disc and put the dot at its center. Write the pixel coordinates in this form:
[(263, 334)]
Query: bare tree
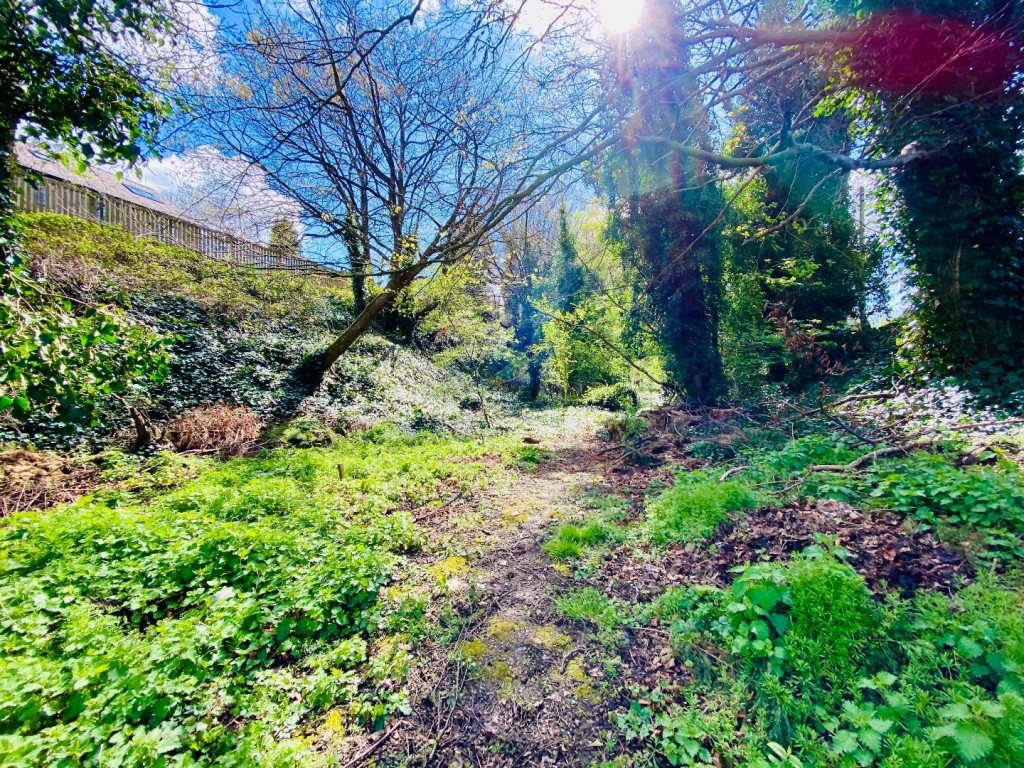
[(407, 136)]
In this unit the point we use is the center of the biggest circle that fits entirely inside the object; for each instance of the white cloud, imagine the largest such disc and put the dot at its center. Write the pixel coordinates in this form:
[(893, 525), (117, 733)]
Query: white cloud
[(187, 56), (220, 192)]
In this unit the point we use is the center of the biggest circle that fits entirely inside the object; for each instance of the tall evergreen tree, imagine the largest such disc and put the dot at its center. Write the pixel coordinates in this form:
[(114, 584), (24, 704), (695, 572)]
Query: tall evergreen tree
[(284, 237), (665, 204)]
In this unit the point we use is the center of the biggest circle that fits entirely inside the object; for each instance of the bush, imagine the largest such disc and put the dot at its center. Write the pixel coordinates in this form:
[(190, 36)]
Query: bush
[(832, 619), (613, 397), (928, 487), (219, 428), (303, 432), (693, 508)]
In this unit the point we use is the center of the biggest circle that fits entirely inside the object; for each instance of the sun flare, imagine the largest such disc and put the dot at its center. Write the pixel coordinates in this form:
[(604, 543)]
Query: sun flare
[(619, 16)]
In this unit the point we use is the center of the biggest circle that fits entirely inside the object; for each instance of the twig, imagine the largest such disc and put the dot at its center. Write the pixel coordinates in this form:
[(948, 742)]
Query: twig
[(436, 510), (848, 400), (372, 748), (986, 425), (734, 471)]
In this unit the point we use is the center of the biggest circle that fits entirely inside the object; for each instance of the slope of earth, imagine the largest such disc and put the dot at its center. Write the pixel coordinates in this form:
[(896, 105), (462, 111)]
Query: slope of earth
[(236, 335)]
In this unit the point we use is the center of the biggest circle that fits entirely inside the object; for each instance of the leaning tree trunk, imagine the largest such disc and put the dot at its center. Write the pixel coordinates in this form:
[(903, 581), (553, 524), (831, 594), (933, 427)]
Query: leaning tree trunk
[(381, 302)]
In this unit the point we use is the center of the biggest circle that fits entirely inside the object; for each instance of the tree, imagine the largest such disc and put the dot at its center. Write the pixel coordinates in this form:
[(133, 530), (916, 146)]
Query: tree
[(284, 237), (524, 277), (666, 203), (66, 76), (571, 279), (944, 77), (406, 135)]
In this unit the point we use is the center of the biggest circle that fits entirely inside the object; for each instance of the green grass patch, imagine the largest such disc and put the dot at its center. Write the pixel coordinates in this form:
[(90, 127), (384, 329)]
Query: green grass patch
[(693, 508), (591, 606), (571, 541), (74, 249)]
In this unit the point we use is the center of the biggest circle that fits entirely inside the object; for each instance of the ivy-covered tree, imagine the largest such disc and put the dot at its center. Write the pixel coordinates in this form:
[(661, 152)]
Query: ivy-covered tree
[(666, 203), (569, 275), (943, 77), (525, 288)]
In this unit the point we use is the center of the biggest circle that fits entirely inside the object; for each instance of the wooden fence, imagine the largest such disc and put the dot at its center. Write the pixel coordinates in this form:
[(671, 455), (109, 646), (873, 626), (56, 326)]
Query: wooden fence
[(51, 195)]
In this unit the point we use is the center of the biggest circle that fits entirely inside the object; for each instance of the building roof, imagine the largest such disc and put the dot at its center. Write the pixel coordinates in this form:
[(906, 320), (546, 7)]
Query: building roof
[(97, 180)]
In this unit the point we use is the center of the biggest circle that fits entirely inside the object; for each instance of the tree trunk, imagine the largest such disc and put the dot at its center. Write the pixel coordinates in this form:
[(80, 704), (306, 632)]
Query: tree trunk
[(399, 282)]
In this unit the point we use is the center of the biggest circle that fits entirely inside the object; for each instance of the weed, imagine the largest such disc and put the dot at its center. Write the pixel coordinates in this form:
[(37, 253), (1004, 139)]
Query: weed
[(594, 607), (142, 624), (570, 541), (693, 508)]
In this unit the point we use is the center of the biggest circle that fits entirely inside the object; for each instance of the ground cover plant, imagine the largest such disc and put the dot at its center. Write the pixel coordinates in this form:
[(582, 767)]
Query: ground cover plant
[(223, 618)]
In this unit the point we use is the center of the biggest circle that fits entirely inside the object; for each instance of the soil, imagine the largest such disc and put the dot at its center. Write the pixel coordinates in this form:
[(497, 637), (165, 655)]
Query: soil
[(889, 554), (520, 685), (34, 480)]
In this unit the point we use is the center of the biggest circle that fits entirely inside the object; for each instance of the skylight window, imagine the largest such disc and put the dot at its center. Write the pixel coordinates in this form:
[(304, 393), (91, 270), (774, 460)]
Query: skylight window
[(142, 192)]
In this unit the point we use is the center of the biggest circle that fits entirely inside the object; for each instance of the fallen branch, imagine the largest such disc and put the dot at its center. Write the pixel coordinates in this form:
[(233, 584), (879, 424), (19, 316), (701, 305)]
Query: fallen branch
[(442, 508), (867, 458), (850, 399), (365, 754), (731, 472)]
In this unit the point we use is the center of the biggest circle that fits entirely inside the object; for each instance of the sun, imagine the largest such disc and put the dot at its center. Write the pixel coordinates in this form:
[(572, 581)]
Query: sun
[(619, 16)]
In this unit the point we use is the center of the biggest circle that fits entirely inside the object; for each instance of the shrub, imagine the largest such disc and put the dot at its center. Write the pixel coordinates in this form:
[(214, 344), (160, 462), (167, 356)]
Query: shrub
[(220, 428), (928, 487), (613, 397), (303, 432), (832, 619), (693, 508)]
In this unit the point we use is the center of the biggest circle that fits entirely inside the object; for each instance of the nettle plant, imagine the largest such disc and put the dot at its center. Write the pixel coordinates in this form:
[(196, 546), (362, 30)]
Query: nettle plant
[(756, 621)]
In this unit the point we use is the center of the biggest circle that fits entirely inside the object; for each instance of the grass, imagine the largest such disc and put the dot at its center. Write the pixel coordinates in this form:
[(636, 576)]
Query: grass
[(222, 619), (111, 260), (591, 606), (694, 507)]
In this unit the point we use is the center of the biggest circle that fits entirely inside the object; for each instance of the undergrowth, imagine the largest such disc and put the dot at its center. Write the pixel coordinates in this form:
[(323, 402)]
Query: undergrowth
[(825, 676), (694, 507), (233, 617), (797, 664)]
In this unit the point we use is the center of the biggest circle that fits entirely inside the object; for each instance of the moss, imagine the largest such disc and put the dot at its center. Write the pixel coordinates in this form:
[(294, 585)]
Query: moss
[(498, 672), (474, 651), (584, 690), (449, 567), (512, 518), (503, 630), (550, 638)]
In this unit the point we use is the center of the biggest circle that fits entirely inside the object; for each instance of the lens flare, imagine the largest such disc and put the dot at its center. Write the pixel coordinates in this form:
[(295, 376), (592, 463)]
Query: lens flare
[(619, 16)]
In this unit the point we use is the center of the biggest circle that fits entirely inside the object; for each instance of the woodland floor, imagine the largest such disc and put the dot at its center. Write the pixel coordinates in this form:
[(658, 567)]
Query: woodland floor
[(525, 685)]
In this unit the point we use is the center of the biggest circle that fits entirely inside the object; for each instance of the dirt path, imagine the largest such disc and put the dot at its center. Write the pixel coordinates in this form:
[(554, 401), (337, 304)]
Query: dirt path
[(518, 685)]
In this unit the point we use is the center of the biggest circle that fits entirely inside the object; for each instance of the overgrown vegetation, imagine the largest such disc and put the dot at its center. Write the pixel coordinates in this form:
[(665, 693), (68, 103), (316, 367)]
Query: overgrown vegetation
[(220, 613), (246, 514)]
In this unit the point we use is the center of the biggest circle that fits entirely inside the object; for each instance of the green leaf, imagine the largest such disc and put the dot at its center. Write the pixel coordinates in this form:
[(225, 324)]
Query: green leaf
[(845, 742)]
